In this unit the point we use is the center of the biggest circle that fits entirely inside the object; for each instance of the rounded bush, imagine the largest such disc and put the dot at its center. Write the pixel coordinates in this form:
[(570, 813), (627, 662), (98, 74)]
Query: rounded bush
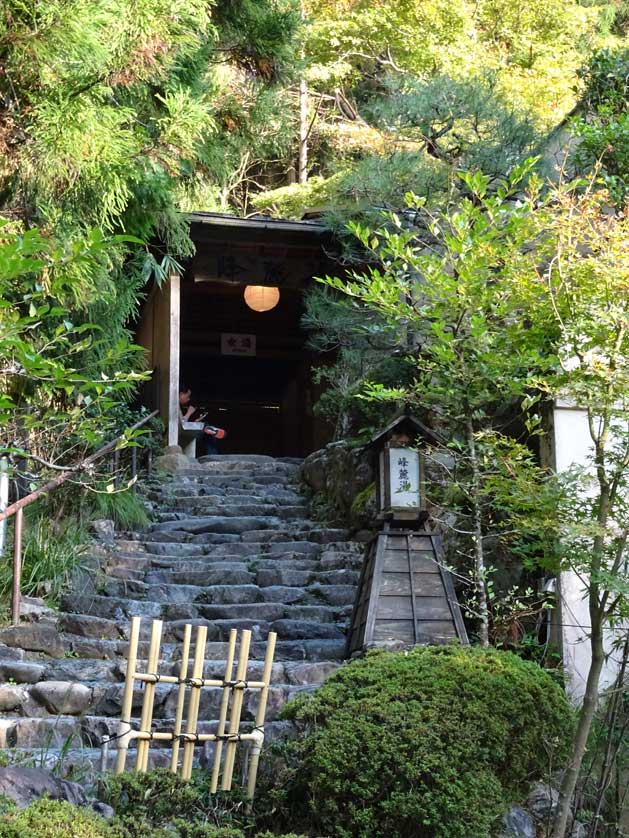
[(435, 742), (54, 819)]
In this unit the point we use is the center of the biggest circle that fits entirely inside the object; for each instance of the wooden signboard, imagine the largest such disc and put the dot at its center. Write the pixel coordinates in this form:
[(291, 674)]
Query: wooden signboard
[(405, 594)]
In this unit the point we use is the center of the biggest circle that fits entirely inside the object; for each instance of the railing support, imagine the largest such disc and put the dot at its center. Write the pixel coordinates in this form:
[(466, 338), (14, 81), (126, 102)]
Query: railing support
[(17, 567), (4, 499)]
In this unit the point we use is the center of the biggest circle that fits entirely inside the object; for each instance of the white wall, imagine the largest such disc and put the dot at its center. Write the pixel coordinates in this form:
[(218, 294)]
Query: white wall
[(573, 445)]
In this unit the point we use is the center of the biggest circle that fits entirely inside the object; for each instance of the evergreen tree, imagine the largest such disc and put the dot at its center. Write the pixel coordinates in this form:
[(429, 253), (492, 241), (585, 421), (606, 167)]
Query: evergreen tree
[(115, 115)]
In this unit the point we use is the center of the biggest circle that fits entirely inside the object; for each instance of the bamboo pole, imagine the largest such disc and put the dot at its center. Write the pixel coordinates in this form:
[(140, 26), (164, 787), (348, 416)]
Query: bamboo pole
[(260, 714), (203, 682), (168, 735), (222, 718), (124, 728), (181, 695), (234, 721), (149, 696), (193, 705)]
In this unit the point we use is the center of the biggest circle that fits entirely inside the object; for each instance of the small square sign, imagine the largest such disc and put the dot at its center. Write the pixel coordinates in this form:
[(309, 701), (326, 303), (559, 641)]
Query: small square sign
[(232, 344)]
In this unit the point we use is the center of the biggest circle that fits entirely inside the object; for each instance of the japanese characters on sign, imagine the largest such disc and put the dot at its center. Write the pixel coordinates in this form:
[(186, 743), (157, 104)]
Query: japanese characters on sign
[(404, 478), (232, 344)]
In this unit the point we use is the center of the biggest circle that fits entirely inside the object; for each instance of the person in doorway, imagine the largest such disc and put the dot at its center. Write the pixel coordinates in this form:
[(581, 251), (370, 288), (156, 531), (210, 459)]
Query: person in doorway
[(206, 438)]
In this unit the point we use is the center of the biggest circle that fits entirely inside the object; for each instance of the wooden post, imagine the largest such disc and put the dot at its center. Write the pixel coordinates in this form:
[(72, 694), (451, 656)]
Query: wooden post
[(149, 696), (222, 718), (166, 354), (124, 728), (193, 706), (17, 568), (134, 466), (4, 499), (181, 695), (115, 468), (234, 721), (260, 714)]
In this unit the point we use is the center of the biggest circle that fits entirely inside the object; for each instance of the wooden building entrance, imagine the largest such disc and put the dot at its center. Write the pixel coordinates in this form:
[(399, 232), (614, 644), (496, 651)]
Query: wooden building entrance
[(249, 369)]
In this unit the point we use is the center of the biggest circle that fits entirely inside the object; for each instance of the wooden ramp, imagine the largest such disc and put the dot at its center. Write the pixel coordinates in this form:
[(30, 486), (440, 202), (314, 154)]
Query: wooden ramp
[(405, 594)]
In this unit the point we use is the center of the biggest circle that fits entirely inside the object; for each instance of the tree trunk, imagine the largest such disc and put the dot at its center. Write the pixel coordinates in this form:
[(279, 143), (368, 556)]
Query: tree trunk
[(609, 759), (479, 553), (586, 715), (302, 168)]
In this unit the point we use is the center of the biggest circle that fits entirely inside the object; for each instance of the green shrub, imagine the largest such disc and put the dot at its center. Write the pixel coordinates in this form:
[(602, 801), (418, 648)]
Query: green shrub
[(55, 819), (51, 551), (125, 508), (160, 800), (434, 742)]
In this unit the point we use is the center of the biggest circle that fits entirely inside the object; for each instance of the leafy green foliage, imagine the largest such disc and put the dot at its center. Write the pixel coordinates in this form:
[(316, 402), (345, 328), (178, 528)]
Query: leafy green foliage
[(361, 346), (434, 742), (603, 130), (454, 284), (52, 398), (157, 799), (51, 550), (55, 819)]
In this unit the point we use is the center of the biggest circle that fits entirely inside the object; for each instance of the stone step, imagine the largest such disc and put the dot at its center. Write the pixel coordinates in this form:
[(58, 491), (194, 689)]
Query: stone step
[(68, 731), (301, 578), (179, 550), (253, 482), (231, 501), (91, 689), (286, 650), (221, 494), (309, 531), (231, 546), (286, 513), (217, 524)]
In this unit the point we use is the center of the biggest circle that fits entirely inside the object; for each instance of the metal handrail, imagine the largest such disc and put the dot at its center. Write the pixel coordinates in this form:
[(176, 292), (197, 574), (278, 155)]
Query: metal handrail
[(18, 507)]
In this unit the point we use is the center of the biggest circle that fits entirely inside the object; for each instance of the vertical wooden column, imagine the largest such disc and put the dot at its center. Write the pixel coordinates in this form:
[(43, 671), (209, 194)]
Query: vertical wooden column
[(174, 333)]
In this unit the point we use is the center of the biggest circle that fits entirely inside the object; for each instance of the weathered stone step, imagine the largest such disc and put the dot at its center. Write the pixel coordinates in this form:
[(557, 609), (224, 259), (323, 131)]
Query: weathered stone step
[(237, 501), (308, 531), (265, 611), (186, 550), (301, 578), (64, 731), (220, 524), (286, 513), (110, 608), (237, 481), (292, 650), (222, 494)]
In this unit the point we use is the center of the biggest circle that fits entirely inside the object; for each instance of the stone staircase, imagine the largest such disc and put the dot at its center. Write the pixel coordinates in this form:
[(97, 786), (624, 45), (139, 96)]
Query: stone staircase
[(230, 545)]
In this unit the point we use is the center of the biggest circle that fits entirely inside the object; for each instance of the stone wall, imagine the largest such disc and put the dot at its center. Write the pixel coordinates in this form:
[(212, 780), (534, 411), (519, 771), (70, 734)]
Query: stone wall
[(340, 478)]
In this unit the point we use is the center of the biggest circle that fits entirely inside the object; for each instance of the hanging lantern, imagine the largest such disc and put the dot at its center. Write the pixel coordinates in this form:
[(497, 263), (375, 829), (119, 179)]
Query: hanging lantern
[(262, 297)]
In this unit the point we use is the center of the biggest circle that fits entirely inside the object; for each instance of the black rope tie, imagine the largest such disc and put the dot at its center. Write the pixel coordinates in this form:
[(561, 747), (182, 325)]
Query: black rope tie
[(244, 685), (155, 676)]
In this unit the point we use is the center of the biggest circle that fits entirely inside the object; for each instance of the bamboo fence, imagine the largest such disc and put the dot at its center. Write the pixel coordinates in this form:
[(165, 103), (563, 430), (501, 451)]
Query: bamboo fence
[(227, 737)]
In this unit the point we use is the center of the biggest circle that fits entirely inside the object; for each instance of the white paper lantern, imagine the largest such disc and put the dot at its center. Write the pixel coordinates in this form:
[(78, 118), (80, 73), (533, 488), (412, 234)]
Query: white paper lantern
[(262, 297)]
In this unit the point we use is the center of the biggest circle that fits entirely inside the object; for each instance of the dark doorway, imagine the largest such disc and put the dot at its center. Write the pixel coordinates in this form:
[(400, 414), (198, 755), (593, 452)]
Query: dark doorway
[(252, 370), (262, 398)]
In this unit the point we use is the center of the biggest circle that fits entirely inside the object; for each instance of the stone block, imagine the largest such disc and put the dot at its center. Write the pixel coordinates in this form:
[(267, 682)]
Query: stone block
[(11, 697), (86, 625), (22, 672), (65, 698), (305, 630), (24, 785), (34, 637)]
